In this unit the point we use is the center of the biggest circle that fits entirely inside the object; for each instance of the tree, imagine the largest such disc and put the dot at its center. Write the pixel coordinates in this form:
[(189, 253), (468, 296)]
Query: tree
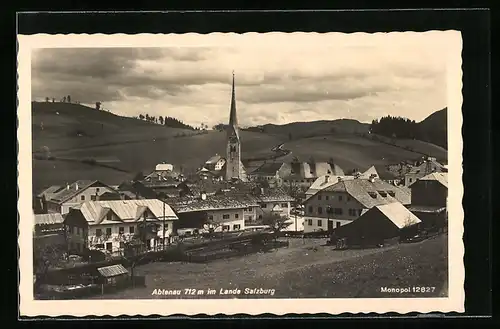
[(98, 105), (161, 120), (69, 98), (147, 117), (276, 222), (53, 100), (141, 117), (64, 99), (46, 99), (45, 257)]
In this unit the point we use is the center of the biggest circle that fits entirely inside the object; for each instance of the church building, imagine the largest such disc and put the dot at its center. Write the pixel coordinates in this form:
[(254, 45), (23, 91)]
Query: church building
[(234, 166)]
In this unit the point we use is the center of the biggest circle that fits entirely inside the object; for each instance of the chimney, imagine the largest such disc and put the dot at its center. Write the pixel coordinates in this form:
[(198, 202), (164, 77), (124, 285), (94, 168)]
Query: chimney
[(76, 186), (326, 178), (67, 186)]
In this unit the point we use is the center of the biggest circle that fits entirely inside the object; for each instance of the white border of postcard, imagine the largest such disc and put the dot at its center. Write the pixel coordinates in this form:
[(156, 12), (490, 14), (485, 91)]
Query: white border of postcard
[(30, 307)]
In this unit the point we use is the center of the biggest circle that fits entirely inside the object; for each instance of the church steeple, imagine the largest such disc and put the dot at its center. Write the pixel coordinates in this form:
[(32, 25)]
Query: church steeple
[(234, 166), (233, 119)]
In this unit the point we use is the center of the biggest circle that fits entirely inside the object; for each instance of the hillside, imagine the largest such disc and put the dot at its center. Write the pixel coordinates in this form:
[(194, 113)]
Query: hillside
[(434, 128), (122, 147), (315, 128)]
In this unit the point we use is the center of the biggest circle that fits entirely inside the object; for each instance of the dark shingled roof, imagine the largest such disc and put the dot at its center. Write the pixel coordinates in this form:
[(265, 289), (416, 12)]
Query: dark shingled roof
[(363, 191), (74, 189), (268, 169)]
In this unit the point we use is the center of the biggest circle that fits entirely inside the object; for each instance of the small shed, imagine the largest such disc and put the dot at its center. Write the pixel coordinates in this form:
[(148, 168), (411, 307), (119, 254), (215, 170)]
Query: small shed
[(113, 275), (377, 225)]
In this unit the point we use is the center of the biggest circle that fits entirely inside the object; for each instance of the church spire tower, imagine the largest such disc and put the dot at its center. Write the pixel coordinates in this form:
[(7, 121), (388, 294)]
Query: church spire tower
[(234, 167)]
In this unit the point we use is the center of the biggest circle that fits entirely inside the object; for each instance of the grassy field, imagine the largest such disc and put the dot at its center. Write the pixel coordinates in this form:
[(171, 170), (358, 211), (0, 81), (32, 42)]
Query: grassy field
[(302, 272), (78, 132)]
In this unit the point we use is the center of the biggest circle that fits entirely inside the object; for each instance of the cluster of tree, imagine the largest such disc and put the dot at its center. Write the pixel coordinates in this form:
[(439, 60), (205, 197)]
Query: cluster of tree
[(65, 99), (396, 127), (220, 127), (166, 121)]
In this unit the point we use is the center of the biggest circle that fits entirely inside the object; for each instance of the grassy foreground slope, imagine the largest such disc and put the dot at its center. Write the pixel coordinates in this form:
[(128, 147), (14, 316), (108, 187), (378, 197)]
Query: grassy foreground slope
[(302, 272)]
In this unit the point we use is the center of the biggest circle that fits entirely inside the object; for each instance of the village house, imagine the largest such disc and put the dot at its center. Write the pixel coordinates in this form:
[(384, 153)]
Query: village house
[(215, 163), (305, 173), (376, 226), (423, 168), (329, 180), (114, 223), (67, 234), (60, 199), (429, 198), (273, 200), (218, 212), (345, 201), (268, 172)]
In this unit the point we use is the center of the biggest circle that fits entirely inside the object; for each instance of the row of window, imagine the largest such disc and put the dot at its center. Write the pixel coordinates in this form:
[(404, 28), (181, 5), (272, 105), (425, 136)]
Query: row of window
[(92, 197), (336, 211), (283, 205), (320, 223), (340, 197)]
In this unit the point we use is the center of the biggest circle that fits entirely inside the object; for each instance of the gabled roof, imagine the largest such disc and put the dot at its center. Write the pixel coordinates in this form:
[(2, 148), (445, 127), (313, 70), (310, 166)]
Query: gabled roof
[(274, 195), (74, 189), (398, 214), (325, 181), (125, 210), (371, 193), (49, 219), (49, 192), (441, 177), (268, 169), (112, 270), (215, 202), (214, 159), (304, 170)]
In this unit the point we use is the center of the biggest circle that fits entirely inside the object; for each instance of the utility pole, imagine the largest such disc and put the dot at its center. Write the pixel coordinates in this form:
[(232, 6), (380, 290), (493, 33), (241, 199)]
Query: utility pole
[(163, 224)]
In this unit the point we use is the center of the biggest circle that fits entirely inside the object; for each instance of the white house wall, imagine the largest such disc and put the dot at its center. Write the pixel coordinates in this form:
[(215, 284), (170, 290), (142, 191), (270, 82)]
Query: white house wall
[(87, 196), (315, 224), (229, 217)]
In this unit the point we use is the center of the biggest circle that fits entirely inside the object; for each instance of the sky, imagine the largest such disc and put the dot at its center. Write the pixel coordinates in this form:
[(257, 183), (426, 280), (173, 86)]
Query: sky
[(356, 76)]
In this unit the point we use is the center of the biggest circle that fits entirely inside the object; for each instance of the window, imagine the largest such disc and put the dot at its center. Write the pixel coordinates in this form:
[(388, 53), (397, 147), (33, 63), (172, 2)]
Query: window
[(337, 211), (373, 195), (236, 216), (99, 246), (249, 209), (319, 196), (309, 222), (211, 217), (409, 179), (109, 216), (326, 197), (108, 231), (82, 197), (353, 212), (264, 205), (77, 231), (98, 232), (226, 216), (320, 210), (337, 224), (166, 226), (225, 228), (383, 193), (260, 216), (109, 246), (310, 209), (284, 205), (93, 197), (236, 227), (131, 229), (97, 190), (121, 230), (320, 222), (340, 197), (391, 193)]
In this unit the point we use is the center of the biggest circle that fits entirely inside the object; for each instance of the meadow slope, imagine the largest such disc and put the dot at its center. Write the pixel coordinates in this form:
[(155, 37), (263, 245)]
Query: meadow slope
[(77, 132)]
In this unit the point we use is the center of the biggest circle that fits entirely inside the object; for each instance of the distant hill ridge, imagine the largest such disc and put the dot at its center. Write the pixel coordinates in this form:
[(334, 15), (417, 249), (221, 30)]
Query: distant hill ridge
[(433, 128)]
